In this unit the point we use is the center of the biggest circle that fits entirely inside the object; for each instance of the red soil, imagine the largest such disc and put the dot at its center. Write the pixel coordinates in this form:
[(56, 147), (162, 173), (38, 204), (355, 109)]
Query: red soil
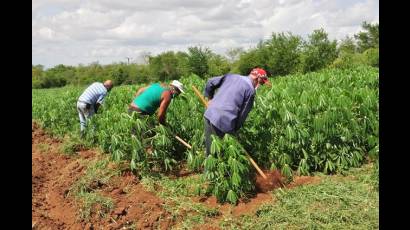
[(53, 208), (274, 179)]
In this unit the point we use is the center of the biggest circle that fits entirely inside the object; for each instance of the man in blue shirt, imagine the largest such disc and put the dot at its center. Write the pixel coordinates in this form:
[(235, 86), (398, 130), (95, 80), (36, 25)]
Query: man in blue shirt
[(229, 106), (91, 99)]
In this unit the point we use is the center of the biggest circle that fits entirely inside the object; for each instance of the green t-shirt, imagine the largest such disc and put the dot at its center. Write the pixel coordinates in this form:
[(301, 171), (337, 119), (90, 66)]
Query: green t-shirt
[(149, 100)]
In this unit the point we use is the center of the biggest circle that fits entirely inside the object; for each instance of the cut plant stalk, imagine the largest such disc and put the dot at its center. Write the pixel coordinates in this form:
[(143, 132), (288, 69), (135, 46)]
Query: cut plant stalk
[(203, 100)]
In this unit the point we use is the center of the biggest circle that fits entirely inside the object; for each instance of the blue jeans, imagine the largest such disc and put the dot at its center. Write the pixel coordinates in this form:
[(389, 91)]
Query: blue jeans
[(85, 111)]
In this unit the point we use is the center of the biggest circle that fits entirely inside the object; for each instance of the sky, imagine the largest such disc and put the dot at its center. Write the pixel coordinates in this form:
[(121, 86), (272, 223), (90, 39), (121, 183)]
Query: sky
[(73, 32)]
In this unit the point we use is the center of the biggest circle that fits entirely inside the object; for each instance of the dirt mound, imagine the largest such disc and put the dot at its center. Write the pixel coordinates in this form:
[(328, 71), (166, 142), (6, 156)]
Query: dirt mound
[(303, 180), (134, 205), (274, 179), (244, 206), (53, 207)]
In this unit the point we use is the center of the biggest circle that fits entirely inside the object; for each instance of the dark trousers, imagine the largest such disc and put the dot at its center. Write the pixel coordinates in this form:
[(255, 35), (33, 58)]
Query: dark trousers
[(211, 129)]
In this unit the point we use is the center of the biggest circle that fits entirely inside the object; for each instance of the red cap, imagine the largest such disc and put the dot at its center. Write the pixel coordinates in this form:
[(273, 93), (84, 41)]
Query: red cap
[(260, 73)]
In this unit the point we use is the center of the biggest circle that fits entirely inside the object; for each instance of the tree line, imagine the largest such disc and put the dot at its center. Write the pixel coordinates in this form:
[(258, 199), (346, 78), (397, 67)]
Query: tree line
[(281, 54)]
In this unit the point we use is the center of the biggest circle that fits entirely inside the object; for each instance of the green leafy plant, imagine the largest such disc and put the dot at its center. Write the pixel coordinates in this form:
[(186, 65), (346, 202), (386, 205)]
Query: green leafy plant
[(228, 170), (323, 121)]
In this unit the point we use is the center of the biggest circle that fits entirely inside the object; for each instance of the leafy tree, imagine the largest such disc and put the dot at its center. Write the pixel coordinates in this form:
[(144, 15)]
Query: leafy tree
[(234, 54), (318, 51), (282, 53), (57, 76), (37, 74), (369, 38), (218, 65), (347, 45), (183, 68), (198, 58), (119, 74), (164, 66), (247, 61)]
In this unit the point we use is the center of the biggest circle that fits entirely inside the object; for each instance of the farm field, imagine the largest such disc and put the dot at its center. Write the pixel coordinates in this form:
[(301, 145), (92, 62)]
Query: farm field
[(317, 132)]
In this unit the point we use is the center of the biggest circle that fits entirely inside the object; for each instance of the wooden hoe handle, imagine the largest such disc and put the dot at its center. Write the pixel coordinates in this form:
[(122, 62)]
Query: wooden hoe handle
[(200, 96), (183, 142), (256, 166)]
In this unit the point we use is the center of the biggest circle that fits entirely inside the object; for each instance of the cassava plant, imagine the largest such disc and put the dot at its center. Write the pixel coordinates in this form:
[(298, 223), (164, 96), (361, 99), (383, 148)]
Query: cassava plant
[(228, 170), (323, 121)]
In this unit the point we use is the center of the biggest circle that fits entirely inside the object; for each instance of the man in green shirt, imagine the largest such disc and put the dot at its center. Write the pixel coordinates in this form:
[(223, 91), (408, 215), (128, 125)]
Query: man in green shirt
[(148, 99)]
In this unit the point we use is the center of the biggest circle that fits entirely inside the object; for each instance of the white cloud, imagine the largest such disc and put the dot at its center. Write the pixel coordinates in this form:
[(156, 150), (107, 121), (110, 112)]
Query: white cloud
[(335, 17), (84, 31), (46, 33)]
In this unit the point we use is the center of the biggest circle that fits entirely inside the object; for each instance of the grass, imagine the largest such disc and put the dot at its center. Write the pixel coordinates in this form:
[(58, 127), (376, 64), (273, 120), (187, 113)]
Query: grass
[(44, 148), (85, 190), (92, 202), (71, 145), (338, 202), (349, 201), (177, 194)]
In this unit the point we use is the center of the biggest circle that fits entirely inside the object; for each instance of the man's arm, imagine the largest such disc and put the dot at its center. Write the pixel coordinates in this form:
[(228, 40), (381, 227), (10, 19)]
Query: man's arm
[(165, 100), (212, 85), (243, 114), (99, 102)]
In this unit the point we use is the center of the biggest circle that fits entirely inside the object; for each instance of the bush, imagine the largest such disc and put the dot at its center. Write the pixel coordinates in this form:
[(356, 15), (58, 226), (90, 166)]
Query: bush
[(371, 57), (348, 60)]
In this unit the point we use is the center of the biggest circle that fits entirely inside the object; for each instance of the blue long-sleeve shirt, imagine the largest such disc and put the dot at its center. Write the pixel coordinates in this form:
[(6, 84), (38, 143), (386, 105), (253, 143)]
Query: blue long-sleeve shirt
[(231, 103)]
